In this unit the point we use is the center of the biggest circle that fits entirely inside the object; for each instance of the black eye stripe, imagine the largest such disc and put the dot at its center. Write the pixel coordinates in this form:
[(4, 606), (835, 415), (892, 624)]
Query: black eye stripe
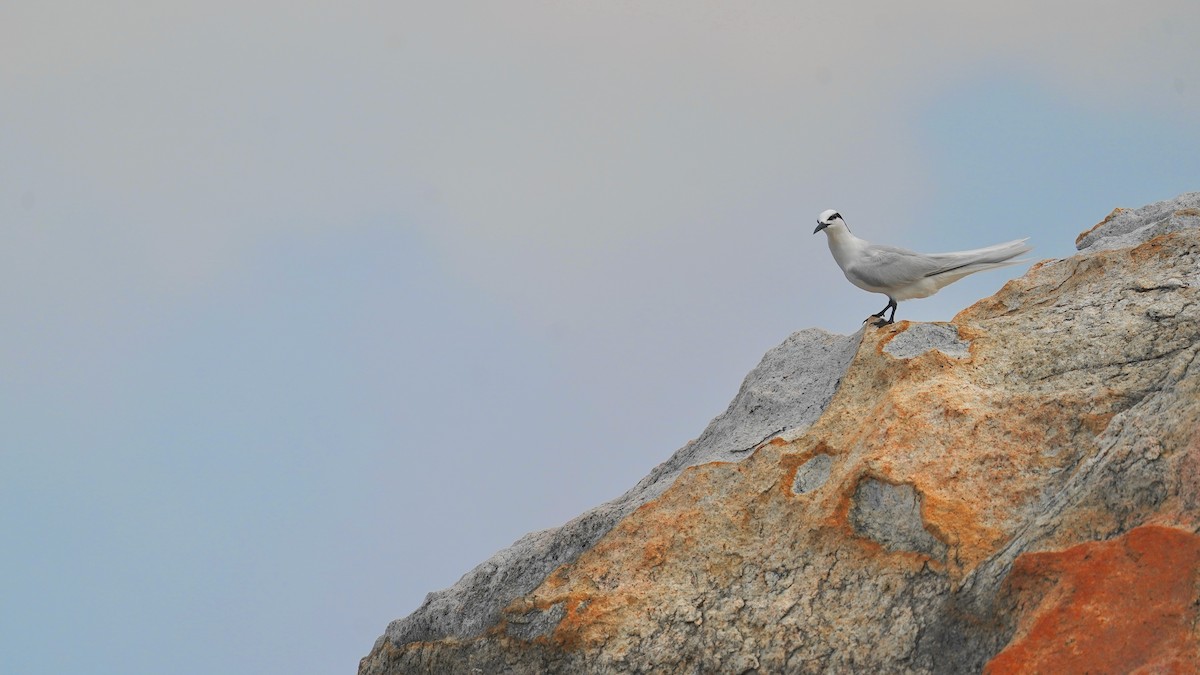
[(836, 215)]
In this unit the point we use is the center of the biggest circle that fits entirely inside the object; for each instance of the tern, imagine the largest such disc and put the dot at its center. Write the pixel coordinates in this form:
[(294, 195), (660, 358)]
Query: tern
[(901, 274)]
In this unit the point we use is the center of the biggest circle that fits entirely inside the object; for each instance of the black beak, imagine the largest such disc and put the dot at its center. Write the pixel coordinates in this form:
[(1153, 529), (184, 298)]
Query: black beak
[(820, 226)]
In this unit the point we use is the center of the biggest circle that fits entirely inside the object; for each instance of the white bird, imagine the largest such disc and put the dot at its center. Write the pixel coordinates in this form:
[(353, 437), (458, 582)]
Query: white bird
[(901, 274)]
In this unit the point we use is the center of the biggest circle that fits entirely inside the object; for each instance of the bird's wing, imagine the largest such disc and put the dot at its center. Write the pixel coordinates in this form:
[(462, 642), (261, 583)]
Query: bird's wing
[(889, 267)]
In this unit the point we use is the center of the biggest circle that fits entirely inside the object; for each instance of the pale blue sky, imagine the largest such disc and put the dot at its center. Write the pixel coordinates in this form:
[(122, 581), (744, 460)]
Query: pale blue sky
[(308, 309)]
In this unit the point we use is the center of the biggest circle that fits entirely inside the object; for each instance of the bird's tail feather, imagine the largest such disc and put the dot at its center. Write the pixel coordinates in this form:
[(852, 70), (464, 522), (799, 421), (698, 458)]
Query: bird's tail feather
[(1005, 251), (979, 259), (946, 277)]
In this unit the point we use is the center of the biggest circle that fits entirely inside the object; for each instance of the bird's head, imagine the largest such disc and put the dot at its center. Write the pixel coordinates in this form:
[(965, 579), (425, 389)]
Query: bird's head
[(829, 218)]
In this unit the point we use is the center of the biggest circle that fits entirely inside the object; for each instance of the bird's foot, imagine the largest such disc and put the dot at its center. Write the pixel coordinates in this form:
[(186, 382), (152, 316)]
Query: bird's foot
[(880, 322)]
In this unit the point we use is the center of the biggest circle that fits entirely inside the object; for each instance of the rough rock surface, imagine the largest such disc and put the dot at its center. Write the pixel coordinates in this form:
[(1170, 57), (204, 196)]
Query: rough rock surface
[(1110, 606), (787, 391), (1016, 490)]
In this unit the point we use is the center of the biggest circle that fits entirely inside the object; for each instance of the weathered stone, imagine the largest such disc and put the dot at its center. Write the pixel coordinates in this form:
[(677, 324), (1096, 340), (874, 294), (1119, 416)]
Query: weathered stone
[(891, 515), (928, 518), (923, 337), (536, 622), (1129, 227), (1124, 605), (812, 474), (786, 392)]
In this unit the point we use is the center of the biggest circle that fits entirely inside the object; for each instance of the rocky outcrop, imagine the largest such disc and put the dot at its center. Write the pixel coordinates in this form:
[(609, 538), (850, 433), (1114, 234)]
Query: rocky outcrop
[(1016, 490), (788, 390)]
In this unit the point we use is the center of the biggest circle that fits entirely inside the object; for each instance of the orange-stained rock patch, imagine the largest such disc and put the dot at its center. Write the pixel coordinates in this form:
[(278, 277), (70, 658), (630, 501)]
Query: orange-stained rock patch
[(1115, 606)]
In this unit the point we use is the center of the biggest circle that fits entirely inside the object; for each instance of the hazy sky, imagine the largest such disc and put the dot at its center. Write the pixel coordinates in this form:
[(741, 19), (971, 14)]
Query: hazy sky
[(308, 308)]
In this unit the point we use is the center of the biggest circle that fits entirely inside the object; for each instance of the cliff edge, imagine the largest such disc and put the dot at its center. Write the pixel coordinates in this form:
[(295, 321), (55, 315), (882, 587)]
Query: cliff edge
[(1015, 490)]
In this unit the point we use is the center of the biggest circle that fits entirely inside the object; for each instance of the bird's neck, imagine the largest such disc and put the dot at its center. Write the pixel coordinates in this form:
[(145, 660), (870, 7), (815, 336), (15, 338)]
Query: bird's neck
[(843, 245)]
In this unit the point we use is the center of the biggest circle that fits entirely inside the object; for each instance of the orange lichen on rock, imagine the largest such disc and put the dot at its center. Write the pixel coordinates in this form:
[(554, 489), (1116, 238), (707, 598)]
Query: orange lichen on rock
[(1113, 606)]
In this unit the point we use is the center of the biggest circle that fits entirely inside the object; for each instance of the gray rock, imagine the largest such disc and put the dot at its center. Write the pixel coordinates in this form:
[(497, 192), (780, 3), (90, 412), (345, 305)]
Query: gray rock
[(891, 515), (923, 337), (1130, 227), (536, 623), (786, 392), (812, 474)]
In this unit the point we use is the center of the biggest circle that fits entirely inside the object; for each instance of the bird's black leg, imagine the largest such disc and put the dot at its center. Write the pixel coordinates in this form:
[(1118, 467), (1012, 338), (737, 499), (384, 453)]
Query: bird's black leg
[(891, 319), (880, 313)]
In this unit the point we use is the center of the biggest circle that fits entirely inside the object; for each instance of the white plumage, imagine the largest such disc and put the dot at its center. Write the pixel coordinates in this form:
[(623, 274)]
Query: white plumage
[(901, 274)]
